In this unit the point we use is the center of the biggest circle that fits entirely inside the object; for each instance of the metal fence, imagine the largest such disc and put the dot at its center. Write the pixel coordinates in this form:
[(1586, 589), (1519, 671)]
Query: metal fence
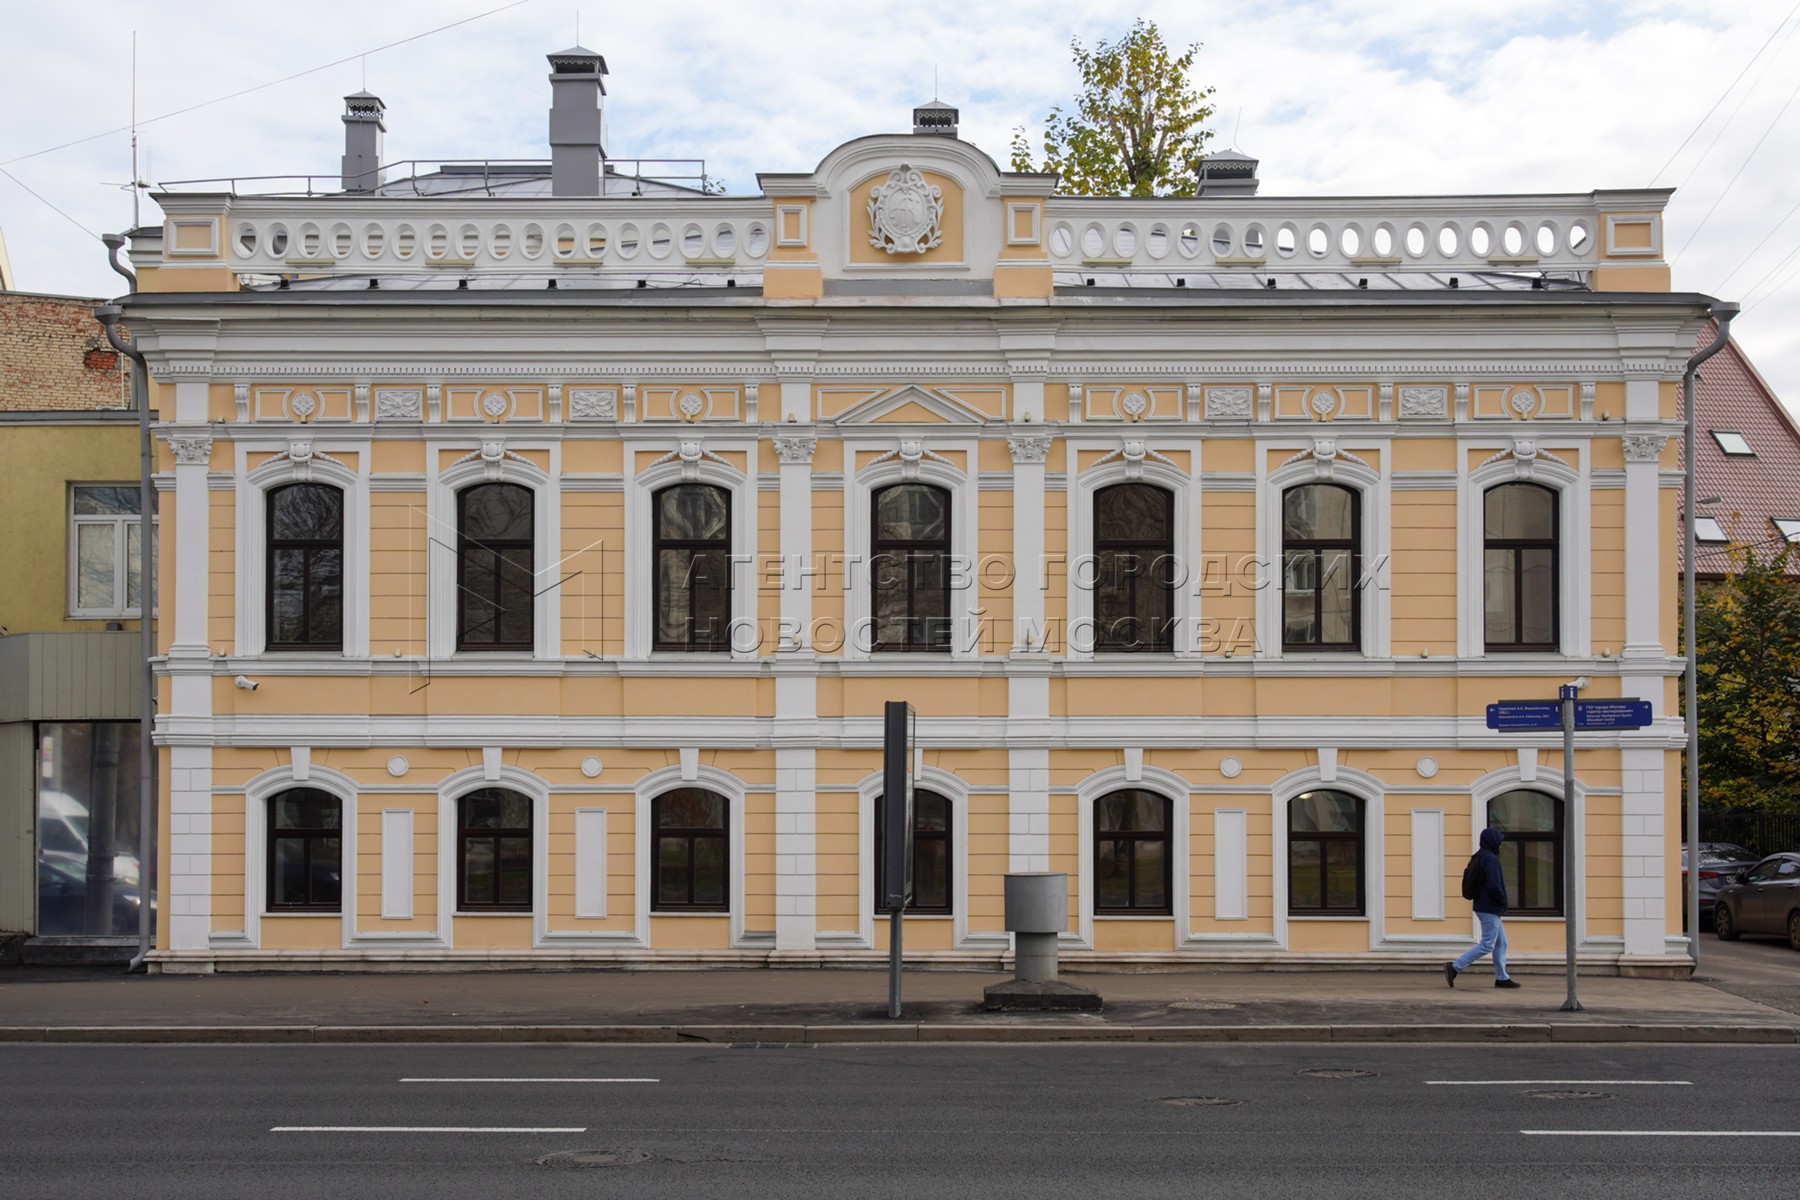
[(1763, 833)]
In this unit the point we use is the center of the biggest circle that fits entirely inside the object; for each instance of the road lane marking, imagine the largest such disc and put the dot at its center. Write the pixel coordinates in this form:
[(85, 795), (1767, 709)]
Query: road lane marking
[(1708, 1133), (519, 1079), (429, 1129), (1558, 1082)]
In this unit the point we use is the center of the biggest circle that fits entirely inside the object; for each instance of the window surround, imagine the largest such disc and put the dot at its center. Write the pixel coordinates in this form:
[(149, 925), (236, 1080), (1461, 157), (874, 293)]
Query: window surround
[(1348, 465), (449, 795), (1184, 608), (859, 491), (257, 793), (1549, 466), (121, 555), (1150, 779), (703, 466), (1509, 779), (1351, 782), (669, 779), (952, 788), (493, 462), (1560, 840), (313, 466)]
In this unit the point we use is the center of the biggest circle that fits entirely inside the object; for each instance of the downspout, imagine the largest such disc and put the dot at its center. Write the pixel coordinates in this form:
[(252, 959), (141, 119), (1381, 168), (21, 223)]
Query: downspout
[(108, 316), (1722, 313)]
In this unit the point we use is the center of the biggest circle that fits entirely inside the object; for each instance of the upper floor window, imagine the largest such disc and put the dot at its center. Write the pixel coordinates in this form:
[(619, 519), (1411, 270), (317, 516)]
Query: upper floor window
[(692, 851), (1134, 577), (493, 860), (931, 852), (1519, 567), (495, 568), (1325, 854), (1321, 548), (1531, 853), (306, 567), (106, 556), (306, 851), (693, 567), (910, 567), (1132, 839)]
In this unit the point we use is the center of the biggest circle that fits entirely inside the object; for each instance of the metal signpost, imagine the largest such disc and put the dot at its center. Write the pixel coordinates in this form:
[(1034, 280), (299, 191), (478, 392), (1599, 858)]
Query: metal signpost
[(897, 823), (1569, 714)]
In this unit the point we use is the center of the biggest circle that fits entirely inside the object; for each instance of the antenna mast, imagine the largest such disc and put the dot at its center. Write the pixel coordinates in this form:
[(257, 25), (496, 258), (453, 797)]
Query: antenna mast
[(136, 183)]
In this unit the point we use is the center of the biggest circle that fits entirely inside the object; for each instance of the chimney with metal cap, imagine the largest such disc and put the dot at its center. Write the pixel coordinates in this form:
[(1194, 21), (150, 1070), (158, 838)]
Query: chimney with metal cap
[(1228, 173), (363, 128), (935, 117), (577, 122)]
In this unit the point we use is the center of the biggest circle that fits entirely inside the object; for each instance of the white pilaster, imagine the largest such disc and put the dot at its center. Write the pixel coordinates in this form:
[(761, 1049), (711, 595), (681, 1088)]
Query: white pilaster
[(1028, 809), (1641, 857), (187, 885), (796, 577), (796, 844), (1643, 543), (193, 454), (1029, 451)]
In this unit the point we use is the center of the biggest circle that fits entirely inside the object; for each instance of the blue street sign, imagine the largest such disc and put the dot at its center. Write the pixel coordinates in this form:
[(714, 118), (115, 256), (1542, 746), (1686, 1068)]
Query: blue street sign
[(1525, 714), (1612, 714)]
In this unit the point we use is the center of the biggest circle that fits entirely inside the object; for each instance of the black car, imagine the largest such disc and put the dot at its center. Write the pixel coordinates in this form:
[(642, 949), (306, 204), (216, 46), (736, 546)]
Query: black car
[(1763, 899), (1720, 863)]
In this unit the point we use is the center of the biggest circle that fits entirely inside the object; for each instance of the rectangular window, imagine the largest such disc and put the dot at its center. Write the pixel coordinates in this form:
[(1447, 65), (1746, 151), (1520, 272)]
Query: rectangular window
[(306, 851), (1708, 529), (1789, 527), (931, 853), (1733, 443), (105, 554)]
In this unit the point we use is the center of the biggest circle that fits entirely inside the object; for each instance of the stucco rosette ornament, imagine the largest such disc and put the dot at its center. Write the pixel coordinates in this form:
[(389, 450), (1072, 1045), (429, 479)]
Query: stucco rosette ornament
[(906, 214)]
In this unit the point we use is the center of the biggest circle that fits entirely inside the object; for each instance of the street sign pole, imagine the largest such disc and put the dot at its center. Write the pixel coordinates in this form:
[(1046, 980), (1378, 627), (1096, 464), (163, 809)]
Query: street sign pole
[(897, 831), (1571, 900)]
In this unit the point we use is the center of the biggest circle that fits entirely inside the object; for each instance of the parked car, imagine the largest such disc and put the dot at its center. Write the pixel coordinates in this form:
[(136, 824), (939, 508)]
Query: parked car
[(1763, 899), (1719, 864)]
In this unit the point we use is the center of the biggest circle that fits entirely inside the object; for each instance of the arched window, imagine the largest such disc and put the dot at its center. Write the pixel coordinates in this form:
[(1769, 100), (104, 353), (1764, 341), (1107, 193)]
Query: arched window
[(931, 852), (1131, 854), (691, 829), (1519, 567), (306, 851), (1321, 548), (493, 861), (495, 567), (1325, 854), (1531, 854), (306, 567), (910, 567), (692, 548), (1134, 552)]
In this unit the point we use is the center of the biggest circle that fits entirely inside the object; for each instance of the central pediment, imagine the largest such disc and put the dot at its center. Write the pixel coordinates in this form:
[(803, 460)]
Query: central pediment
[(911, 405)]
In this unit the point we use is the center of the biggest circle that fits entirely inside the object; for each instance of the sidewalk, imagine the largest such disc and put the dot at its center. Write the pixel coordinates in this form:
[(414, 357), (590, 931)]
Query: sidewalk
[(89, 1004)]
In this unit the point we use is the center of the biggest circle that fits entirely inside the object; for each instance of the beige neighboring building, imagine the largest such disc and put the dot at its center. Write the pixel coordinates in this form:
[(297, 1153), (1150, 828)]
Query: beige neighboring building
[(543, 546), (70, 662)]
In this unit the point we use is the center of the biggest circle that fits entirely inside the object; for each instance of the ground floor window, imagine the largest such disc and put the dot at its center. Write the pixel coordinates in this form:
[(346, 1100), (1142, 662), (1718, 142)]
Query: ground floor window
[(306, 851), (1325, 854), (90, 882), (1531, 854), (691, 831), (931, 853), (494, 851), (1131, 854)]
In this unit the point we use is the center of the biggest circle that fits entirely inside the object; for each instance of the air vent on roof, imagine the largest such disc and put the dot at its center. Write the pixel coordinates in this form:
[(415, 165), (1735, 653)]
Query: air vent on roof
[(363, 128), (935, 117), (1228, 173)]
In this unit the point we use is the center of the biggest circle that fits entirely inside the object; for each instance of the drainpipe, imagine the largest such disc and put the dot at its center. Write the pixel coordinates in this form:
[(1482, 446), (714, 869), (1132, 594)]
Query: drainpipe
[(1722, 313), (108, 316)]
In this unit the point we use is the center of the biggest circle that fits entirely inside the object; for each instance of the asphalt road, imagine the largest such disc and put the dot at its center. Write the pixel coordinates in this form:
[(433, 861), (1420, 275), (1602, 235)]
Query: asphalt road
[(901, 1121), (1763, 969)]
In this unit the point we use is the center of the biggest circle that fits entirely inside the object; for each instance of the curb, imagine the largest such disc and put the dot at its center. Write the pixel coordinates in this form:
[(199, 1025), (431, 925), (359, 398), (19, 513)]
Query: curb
[(1756, 1035)]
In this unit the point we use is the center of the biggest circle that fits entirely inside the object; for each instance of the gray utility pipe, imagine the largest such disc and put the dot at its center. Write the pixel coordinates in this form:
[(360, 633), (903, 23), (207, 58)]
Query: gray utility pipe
[(148, 884), (1722, 313)]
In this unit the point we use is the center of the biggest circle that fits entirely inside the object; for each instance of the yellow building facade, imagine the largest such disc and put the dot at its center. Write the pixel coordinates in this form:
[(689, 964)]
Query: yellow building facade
[(537, 568)]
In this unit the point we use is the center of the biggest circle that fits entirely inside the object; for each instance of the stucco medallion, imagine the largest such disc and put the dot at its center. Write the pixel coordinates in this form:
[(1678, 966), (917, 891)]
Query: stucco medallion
[(906, 214)]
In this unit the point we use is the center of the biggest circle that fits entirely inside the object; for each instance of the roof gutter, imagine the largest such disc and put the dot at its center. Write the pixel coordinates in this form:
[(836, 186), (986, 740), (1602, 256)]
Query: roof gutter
[(108, 316), (1723, 314)]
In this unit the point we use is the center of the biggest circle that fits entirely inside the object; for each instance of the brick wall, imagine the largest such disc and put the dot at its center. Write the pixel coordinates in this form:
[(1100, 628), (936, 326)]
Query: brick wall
[(54, 355)]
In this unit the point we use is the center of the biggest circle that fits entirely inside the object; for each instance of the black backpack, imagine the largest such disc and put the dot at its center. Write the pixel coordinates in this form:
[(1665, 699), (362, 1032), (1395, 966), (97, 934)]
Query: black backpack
[(1472, 877)]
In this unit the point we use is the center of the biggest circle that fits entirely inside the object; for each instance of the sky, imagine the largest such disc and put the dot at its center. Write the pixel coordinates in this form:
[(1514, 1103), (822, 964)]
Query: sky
[(1355, 97)]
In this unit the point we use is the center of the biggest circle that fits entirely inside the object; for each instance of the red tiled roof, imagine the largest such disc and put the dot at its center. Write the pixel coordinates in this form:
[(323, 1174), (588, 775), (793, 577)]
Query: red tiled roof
[(1730, 395)]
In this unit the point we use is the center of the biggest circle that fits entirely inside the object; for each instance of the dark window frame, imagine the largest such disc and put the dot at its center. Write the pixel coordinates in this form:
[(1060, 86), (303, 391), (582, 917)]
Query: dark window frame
[(1318, 548), (943, 835), (493, 547), (306, 835), (308, 547), (1515, 547), (918, 638), (660, 543), (494, 834), (1358, 838), (692, 835), (1512, 847), (1160, 555), (1128, 841)]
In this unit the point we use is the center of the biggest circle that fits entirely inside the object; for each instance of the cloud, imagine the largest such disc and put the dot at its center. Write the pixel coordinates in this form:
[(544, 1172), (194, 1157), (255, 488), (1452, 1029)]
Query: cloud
[(1385, 97)]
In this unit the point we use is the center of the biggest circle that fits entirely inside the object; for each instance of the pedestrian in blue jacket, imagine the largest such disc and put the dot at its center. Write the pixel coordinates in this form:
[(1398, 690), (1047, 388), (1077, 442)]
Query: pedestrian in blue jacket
[(1490, 908)]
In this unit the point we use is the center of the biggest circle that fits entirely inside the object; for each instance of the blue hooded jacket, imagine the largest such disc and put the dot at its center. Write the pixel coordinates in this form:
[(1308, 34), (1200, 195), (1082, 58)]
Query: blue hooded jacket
[(1492, 896)]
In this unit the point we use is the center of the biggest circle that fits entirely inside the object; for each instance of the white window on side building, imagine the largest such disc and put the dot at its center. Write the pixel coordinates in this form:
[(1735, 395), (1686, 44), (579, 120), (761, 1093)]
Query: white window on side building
[(105, 555), (1732, 443), (1708, 529)]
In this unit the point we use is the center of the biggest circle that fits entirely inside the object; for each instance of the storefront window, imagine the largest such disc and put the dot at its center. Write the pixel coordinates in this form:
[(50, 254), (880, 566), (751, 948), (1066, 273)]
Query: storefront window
[(89, 878)]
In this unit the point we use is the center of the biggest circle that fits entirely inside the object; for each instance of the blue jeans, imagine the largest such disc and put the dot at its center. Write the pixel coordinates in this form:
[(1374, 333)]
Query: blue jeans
[(1493, 941)]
